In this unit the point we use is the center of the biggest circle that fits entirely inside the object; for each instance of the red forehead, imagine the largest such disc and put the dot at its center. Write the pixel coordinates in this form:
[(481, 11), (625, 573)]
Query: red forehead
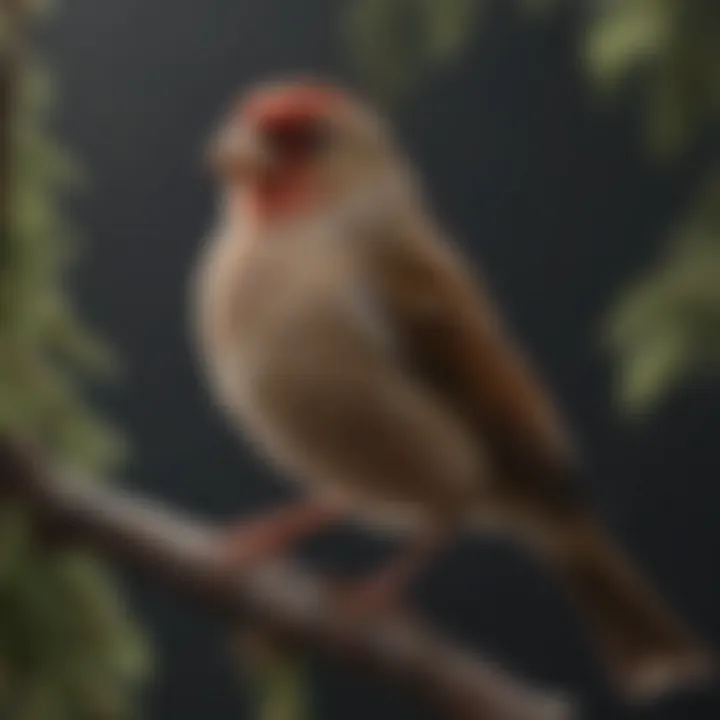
[(292, 103)]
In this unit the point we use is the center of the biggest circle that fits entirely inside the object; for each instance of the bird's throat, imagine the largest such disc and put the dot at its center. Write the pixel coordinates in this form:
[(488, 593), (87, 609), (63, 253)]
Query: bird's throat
[(283, 197)]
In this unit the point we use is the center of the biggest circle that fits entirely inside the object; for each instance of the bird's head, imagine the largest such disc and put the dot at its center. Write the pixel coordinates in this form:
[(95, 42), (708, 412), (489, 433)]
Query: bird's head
[(295, 147)]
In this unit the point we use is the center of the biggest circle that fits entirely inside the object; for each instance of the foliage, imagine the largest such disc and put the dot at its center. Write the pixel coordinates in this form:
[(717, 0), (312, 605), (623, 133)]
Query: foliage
[(668, 53), (667, 327), (280, 677), (672, 48), (68, 651), (397, 42)]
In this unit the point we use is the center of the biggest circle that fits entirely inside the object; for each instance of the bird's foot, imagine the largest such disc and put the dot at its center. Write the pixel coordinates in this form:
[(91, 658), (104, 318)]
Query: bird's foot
[(368, 598), (249, 542), (385, 591), (382, 593)]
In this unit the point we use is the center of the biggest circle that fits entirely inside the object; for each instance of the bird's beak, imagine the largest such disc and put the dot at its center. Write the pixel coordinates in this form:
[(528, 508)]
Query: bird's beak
[(238, 152)]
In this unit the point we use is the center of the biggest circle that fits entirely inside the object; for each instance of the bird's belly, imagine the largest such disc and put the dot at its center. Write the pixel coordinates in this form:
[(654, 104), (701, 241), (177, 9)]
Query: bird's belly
[(289, 339), (333, 412)]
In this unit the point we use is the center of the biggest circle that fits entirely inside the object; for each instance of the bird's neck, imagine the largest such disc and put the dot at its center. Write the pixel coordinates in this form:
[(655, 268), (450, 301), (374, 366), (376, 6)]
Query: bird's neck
[(274, 201), (268, 209)]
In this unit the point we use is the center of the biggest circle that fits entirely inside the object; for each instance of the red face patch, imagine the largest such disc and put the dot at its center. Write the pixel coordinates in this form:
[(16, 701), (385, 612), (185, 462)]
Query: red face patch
[(292, 119)]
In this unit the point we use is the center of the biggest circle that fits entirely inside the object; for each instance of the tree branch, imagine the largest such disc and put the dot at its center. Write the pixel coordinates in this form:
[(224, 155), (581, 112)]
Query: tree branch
[(294, 606)]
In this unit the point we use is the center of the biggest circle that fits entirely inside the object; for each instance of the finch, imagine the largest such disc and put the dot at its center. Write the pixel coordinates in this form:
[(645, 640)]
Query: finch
[(343, 332)]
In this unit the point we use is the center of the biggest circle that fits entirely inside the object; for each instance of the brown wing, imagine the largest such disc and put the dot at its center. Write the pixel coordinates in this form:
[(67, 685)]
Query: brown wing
[(453, 339)]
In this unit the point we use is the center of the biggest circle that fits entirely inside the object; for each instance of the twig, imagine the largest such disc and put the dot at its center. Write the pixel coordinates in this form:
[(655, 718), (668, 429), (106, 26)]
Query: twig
[(296, 607)]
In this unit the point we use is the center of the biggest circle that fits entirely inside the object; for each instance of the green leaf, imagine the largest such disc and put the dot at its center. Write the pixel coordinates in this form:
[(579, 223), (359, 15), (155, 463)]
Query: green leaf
[(652, 368), (396, 43), (666, 327), (281, 686), (449, 26), (626, 35)]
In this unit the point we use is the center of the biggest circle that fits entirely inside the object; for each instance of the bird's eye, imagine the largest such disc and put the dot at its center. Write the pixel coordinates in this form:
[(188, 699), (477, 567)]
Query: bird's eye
[(298, 139)]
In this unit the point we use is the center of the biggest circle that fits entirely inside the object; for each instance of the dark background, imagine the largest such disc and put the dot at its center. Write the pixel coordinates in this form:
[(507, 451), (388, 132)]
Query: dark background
[(552, 194)]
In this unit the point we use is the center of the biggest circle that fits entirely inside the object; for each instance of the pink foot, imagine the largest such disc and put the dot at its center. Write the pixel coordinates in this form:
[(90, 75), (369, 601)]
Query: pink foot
[(252, 541)]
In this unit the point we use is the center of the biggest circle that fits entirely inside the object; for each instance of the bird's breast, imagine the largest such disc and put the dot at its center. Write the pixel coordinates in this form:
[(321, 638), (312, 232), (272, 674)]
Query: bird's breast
[(269, 307)]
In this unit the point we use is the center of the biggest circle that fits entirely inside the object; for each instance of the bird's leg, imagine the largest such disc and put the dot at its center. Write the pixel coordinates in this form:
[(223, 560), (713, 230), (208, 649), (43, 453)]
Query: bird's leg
[(384, 589), (252, 541)]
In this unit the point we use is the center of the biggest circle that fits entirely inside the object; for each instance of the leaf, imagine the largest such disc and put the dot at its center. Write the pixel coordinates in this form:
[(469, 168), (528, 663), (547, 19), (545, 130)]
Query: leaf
[(281, 686), (626, 35), (396, 43), (667, 326), (371, 27), (283, 691), (671, 50), (449, 26), (652, 368)]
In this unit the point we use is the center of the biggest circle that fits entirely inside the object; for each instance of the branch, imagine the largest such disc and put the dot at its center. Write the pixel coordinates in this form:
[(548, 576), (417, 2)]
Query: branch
[(294, 606)]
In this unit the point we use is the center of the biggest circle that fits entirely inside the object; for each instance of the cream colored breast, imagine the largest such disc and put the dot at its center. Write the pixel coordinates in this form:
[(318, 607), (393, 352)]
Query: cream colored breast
[(263, 301)]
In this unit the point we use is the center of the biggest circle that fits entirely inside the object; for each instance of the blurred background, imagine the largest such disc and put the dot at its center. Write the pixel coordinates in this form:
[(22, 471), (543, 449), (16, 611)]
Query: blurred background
[(571, 148)]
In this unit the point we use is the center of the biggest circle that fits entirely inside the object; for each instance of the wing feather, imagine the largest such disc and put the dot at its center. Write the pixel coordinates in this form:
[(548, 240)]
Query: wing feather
[(452, 337)]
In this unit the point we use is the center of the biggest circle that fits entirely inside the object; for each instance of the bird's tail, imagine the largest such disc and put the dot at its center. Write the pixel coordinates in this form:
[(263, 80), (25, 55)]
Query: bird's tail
[(648, 649)]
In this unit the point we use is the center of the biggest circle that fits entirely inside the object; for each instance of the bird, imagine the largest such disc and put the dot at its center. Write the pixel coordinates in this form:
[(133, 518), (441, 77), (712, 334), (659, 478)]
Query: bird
[(341, 329)]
